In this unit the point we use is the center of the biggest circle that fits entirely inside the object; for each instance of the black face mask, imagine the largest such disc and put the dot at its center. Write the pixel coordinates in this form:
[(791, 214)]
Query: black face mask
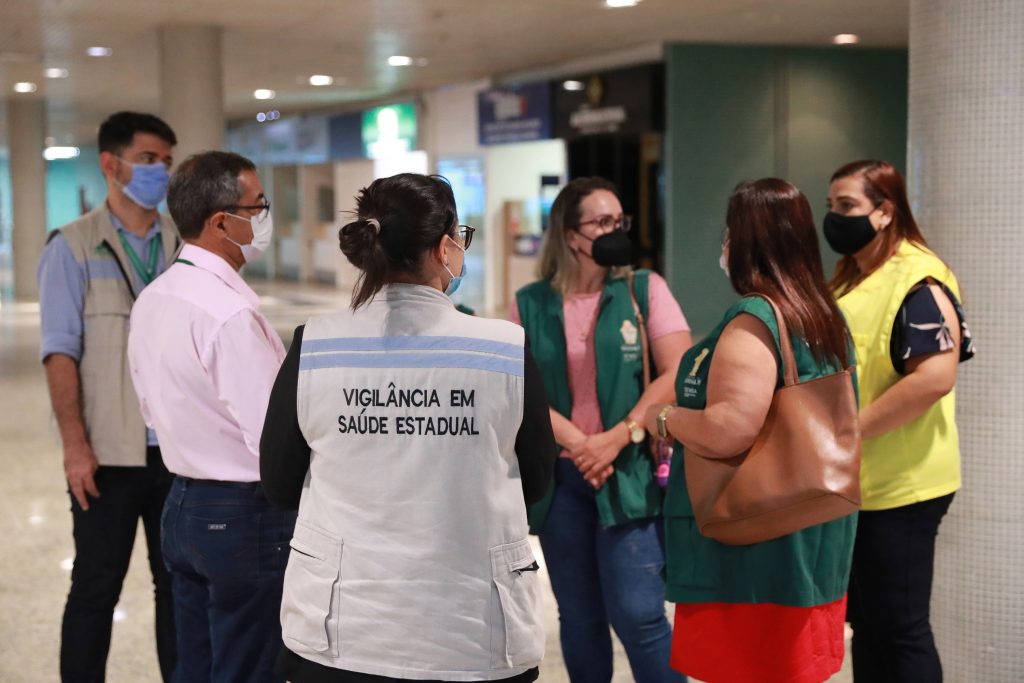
[(611, 249), (848, 234)]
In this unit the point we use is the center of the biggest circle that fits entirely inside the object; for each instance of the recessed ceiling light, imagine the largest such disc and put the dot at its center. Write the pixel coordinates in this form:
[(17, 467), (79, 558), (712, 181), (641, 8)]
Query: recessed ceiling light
[(57, 152), (264, 94), (261, 117), (273, 115), (622, 3), (320, 80), (399, 60), (97, 51), (55, 72), (573, 85), (846, 39), (25, 87)]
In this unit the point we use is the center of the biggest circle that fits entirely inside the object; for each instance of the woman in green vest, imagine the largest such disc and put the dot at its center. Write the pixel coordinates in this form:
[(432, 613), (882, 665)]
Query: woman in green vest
[(903, 307), (770, 612), (600, 527)]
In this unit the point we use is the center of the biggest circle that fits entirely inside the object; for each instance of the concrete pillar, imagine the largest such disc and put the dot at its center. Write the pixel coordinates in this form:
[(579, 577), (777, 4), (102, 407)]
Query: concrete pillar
[(966, 162), (192, 87), (26, 126)]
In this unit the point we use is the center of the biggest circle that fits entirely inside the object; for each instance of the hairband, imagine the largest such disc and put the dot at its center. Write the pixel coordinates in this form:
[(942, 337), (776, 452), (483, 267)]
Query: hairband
[(375, 223)]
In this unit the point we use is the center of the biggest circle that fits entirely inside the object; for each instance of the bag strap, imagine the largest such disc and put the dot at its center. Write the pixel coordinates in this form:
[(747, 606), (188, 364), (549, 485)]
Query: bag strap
[(642, 324), (788, 360)]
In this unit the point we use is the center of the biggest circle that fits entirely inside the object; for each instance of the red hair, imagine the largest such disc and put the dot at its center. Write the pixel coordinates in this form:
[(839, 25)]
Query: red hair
[(773, 250), (882, 183)]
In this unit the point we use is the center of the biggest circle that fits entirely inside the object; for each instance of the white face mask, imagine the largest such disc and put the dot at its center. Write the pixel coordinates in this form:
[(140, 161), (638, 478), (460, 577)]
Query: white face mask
[(262, 234), (723, 263)]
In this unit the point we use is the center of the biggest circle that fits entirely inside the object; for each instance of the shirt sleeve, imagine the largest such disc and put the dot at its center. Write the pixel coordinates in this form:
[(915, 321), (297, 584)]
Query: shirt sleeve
[(535, 442), (920, 329), (242, 363), (284, 453), (61, 282), (664, 316)]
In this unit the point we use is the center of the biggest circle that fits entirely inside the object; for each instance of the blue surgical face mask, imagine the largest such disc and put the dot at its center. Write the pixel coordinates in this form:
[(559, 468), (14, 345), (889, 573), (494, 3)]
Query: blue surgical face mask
[(148, 186), (453, 284)]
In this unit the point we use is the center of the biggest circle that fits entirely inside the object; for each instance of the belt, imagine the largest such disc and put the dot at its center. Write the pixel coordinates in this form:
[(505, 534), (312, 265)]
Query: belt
[(246, 485)]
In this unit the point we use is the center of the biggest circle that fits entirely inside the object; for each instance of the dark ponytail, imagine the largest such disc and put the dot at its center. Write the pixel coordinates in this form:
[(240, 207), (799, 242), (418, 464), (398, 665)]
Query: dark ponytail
[(398, 220)]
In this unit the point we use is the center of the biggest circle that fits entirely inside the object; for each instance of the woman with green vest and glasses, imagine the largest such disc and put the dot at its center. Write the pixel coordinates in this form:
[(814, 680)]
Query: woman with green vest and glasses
[(600, 527), (903, 306), (770, 612)]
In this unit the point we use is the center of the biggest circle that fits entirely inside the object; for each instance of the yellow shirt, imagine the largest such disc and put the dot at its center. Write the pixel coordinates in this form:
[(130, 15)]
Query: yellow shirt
[(920, 460)]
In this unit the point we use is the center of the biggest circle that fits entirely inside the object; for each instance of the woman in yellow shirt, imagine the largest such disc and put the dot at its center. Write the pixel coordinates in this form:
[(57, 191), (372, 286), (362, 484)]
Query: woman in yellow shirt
[(902, 304)]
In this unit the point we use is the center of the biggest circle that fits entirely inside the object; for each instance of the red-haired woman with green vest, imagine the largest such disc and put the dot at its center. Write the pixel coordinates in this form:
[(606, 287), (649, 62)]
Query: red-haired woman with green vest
[(600, 527), (903, 307), (770, 612)]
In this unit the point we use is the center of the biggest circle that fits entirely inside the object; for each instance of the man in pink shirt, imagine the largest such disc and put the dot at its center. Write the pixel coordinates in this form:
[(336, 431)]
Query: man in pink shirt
[(203, 361)]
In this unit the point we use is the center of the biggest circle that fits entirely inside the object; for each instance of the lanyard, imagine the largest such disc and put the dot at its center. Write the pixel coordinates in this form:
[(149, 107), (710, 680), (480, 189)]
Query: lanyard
[(181, 260), (146, 273)]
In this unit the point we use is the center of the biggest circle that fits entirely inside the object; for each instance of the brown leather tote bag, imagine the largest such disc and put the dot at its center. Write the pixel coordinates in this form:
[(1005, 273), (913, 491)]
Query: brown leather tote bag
[(803, 469)]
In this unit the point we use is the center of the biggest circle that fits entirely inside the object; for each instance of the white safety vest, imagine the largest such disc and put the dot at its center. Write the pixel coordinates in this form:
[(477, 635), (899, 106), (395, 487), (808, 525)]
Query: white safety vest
[(410, 557)]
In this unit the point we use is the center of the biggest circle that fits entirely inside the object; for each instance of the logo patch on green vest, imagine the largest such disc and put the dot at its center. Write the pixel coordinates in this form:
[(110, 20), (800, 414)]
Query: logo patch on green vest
[(630, 339), (629, 332), (698, 361)]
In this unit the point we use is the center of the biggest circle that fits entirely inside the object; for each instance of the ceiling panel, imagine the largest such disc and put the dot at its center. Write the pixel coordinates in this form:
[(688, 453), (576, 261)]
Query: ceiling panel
[(279, 45)]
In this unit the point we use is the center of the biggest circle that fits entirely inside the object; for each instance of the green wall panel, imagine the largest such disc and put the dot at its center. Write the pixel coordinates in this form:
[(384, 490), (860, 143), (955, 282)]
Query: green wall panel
[(742, 113), (721, 105), (843, 105)]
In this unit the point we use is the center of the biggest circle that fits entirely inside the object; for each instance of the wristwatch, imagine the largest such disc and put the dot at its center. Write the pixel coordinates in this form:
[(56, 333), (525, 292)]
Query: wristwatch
[(636, 432), (662, 416)]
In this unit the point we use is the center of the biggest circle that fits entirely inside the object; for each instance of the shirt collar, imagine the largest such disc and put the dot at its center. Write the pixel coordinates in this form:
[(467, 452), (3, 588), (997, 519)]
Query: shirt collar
[(397, 291), (207, 260), (150, 233)]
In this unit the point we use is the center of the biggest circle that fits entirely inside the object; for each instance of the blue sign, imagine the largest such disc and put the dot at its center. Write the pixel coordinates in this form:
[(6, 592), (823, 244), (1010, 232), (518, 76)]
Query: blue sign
[(508, 115)]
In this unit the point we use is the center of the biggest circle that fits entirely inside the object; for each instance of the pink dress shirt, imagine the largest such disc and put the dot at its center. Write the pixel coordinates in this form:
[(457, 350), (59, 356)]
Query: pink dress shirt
[(203, 361), (580, 311)]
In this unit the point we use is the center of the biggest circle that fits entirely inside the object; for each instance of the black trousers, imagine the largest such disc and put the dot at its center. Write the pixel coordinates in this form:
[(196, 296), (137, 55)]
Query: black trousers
[(296, 669), (104, 538), (890, 594)]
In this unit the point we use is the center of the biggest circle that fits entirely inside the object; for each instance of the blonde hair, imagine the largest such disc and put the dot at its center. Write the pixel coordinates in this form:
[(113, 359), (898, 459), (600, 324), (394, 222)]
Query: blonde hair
[(557, 263)]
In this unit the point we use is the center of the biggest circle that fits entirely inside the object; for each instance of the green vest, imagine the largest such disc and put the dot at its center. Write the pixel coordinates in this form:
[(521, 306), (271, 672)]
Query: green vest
[(920, 460), (631, 493), (804, 569)]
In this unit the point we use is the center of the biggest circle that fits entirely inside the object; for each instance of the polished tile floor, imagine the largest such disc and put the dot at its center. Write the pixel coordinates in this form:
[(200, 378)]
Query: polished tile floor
[(35, 520)]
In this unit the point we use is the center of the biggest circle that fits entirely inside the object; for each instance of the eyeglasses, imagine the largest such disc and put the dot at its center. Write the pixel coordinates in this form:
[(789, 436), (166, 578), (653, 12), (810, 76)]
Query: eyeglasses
[(465, 234), (609, 222), (264, 209)]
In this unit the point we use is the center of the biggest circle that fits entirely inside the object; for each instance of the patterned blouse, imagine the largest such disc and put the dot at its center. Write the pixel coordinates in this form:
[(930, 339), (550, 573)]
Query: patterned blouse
[(921, 329)]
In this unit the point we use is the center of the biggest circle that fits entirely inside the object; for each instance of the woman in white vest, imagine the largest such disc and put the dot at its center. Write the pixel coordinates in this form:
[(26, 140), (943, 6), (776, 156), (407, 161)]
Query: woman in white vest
[(902, 304), (412, 437)]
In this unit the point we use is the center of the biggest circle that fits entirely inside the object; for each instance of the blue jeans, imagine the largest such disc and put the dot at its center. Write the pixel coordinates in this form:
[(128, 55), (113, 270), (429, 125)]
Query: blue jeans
[(606, 576), (226, 549)]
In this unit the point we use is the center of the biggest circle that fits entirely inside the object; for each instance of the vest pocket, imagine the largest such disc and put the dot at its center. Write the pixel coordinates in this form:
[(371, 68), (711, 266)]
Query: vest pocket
[(517, 632), (309, 604)]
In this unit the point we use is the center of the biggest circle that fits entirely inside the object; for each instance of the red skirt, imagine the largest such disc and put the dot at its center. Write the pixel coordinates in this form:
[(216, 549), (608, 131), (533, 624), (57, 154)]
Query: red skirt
[(762, 643)]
